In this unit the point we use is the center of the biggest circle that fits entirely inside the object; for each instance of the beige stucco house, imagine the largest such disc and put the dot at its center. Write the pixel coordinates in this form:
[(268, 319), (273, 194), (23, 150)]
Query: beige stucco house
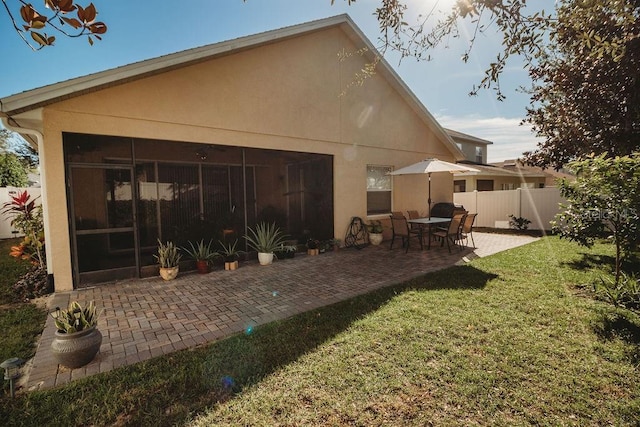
[(180, 147)]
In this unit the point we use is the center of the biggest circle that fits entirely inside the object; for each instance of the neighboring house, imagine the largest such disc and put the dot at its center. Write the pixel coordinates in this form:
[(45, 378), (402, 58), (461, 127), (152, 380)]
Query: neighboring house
[(265, 127), (494, 178), (490, 177), (551, 175), (474, 148)]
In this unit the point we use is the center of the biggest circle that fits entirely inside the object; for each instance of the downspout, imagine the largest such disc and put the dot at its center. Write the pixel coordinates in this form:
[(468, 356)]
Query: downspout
[(43, 182)]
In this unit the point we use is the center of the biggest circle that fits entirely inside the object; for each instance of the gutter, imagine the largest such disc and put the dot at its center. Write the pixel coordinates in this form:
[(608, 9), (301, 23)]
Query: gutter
[(39, 140)]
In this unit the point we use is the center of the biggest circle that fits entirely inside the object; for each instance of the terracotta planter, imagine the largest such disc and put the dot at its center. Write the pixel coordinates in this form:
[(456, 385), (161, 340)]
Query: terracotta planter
[(231, 265), (169, 273), (375, 238), (76, 349), (203, 266), (265, 258)]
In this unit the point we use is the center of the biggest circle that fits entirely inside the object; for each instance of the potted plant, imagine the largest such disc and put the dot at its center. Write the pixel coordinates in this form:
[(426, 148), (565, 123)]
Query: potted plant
[(169, 259), (77, 338), (375, 232), (335, 244), (265, 239), (228, 222), (313, 247), (230, 254), (285, 251), (203, 254)]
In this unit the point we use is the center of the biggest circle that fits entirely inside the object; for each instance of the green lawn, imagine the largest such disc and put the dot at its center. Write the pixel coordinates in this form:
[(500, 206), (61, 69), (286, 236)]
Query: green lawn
[(20, 323), (506, 340)]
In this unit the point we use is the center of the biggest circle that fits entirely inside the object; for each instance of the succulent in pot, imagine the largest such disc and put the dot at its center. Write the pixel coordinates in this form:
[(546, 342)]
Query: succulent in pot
[(375, 230), (168, 258), (265, 239), (230, 253), (77, 339), (203, 254), (285, 251)]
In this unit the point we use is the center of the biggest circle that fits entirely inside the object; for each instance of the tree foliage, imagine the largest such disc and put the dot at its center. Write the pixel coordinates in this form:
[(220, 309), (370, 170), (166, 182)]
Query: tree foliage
[(63, 16), (12, 171), (604, 199), (585, 100), (15, 160)]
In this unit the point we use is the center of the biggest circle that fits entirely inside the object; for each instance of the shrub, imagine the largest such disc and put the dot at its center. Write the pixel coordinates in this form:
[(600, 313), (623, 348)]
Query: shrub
[(518, 222), (625, 293), (33, 284)]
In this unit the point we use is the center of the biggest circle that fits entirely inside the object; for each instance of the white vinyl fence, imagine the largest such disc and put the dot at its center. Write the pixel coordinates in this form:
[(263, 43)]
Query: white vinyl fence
[(538, 205), (6, 231)]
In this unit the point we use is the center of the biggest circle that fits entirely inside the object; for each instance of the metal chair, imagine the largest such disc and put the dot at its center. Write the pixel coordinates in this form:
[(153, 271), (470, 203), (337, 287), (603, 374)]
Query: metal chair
[(466, 229), (400, 228), (452, 233)]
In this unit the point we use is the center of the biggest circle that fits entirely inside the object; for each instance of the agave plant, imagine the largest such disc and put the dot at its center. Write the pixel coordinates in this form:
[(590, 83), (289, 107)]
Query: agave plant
[(168, 255), (76, 318), (229, 251), (266, 238), (201, 251)]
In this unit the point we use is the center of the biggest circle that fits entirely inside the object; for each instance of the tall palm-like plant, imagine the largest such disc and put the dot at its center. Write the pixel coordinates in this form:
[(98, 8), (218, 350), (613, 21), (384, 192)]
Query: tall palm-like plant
[(265, 238)]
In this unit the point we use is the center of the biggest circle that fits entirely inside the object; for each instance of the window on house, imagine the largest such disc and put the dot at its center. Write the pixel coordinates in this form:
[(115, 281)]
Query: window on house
[(459, 186), (479, 155), (508, 186), (485, 185), (378, 190)]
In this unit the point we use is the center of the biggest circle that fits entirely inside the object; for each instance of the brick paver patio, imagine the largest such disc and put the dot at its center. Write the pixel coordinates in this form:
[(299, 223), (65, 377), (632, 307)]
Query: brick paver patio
[(148, 318)]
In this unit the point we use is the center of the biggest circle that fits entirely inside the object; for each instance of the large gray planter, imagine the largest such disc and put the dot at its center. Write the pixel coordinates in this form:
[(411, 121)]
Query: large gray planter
[(76, 349)]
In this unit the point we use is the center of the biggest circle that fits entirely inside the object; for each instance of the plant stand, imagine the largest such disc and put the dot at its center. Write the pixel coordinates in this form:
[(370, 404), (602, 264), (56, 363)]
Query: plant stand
[(231, 265)]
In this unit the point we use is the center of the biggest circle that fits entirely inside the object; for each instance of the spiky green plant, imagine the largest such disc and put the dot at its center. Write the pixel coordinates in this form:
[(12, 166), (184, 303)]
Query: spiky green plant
[(168, 255), (201, 251), (76, 318), (229, 250), (266, 238)]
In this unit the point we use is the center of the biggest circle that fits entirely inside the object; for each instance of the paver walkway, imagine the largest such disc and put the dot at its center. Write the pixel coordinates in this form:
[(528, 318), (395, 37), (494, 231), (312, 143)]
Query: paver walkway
[(148, 318)]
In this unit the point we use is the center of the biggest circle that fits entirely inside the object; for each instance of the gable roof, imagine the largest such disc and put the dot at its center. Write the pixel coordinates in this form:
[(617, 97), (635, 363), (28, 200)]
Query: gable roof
[(29, 102), (464, 137)]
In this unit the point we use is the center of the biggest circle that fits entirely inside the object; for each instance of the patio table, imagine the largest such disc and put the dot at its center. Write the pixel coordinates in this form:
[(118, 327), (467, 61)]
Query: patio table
[(429, 222)]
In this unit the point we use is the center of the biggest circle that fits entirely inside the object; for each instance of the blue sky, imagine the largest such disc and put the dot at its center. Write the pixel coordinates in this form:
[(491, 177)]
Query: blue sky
[(141, 30)]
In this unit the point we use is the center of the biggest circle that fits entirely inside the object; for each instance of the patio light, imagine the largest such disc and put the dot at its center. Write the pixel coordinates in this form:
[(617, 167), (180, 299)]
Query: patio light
[(11, 372)]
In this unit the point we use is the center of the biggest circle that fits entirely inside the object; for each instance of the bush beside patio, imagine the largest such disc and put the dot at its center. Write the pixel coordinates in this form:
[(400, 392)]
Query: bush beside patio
[(507, 339)]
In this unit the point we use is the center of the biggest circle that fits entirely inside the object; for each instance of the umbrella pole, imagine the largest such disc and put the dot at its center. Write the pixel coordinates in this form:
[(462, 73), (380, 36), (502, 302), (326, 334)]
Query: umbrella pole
[(429, 199)]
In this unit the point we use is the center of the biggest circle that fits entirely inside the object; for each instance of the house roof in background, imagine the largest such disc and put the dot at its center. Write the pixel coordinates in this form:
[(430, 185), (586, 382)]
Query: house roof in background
[(459, 136), (490, 170)]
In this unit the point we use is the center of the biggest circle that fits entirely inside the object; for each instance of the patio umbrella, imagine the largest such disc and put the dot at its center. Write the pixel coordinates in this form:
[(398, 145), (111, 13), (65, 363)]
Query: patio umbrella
[(430, 166)]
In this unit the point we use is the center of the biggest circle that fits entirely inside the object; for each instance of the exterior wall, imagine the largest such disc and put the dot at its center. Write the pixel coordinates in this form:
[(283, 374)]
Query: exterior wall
[(469, 150), (538, 205), (280, 96)]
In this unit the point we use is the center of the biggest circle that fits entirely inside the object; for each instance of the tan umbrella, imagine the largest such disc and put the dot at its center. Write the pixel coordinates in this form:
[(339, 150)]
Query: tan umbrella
[(430, 166)]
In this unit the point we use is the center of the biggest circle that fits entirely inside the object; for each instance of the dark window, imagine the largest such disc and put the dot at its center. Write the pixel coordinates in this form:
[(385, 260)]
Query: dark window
[(459, 186), (485, 185)]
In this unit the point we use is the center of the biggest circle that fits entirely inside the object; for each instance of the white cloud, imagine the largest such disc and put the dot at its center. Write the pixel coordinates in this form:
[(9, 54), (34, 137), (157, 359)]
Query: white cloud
[(510, 138)]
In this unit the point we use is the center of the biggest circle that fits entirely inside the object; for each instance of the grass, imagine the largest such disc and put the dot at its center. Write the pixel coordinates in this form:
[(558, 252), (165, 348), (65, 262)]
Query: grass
[(21, 323), (505, 340)]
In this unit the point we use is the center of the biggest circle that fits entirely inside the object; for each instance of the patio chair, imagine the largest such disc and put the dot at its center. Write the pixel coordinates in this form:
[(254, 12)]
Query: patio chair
[(466, 229), (452, 233), (400, 228)]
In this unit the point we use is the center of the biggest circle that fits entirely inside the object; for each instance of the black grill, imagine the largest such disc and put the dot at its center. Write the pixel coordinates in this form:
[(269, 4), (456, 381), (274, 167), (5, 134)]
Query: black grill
[(446, 210)]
